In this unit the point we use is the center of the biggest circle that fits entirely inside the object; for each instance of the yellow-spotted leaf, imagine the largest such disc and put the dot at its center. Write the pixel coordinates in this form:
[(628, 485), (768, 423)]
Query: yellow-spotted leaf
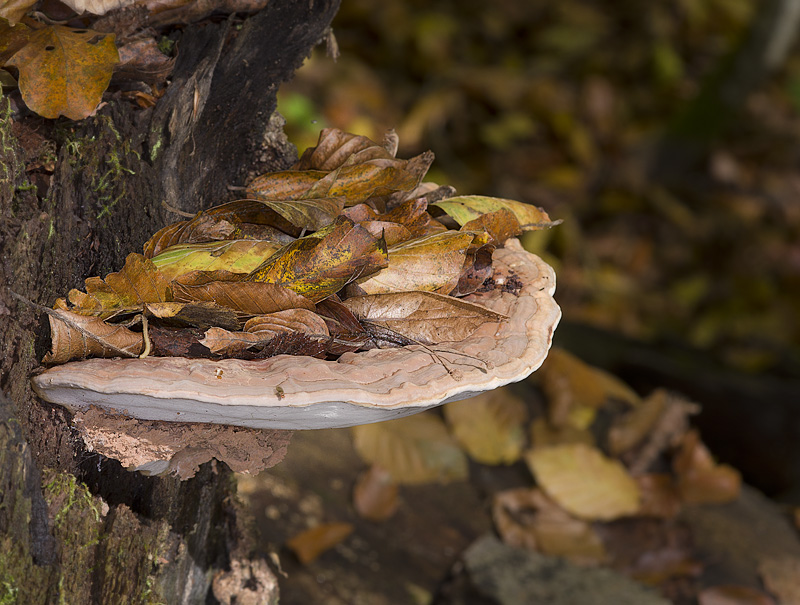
[(466, 208), (584, 482), (490, 427), (429, 264), (64, 71), (138, 282), (413, 450), (236, 256), (321, 264)]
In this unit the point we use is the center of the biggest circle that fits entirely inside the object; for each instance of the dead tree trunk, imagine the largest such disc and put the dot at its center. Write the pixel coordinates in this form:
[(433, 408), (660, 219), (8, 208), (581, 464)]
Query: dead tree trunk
[(76, 527)]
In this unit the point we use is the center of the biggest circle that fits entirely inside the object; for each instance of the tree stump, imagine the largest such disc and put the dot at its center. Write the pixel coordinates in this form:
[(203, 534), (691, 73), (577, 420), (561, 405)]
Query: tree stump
[(74, 526)]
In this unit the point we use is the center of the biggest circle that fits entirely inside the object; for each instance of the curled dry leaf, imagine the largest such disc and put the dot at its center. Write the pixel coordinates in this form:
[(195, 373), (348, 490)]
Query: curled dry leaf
[(375, 495), (574, 388), (249, 298), (64, 71), (584, 482), (416, 449), (77, 336), (236, 256), (321, 264), (142, 61), (263, 328), (196, 314), (490, 427), (431, 264), (426, 317), (468, 208), (500, 225), (477, 269), (659, 496), (138, 282), (13, 11), (310, 544), (527, 518), (700, 479), (336, 148), (313, 214), (633, 428)]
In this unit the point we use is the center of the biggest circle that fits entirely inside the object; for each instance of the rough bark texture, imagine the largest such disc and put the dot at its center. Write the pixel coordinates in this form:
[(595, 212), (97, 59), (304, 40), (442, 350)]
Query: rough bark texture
[(74, 526)]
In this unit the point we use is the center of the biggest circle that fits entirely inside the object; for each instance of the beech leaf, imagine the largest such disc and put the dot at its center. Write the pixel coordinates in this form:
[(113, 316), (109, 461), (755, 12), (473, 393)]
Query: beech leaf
[(263, 328), (413, 450), (584, 482), (138, 282), (236, 256), (431, 264), (321, 264), (501, 225), (336, 148), (250, 298), (423, 316), (77, 336), (313, 214), (64, 71), (490, 427), (467, 208)]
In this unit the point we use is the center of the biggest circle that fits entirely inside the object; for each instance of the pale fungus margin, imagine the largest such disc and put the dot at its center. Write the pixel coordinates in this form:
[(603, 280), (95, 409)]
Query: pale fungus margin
[(300, 392)]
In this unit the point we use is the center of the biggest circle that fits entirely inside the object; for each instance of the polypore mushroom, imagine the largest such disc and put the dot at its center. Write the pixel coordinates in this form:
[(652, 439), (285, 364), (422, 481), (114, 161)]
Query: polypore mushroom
[(290, 392)]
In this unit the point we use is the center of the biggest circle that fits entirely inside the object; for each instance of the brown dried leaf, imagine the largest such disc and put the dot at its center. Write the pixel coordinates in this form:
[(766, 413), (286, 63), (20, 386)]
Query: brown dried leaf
[(312, 214), (430, 264), (584, 482), (198, 315), (138, 282), (422, 316), (500, 225), (416, 449), (375, 495), (477, 269), (700, 479), (310, 544), (249, 298), (263, 328), (141, 60), (319, 265), (413, 215), (631, 429), (77, 336), (571, 385), (660, 496), (490, 427), (337, 148), (64, 71)]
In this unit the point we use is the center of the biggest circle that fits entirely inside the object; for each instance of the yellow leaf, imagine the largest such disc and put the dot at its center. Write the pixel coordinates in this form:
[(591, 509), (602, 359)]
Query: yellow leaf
[(584, 482), (490, 427), (416, 449), (236, 256), (467, 208), (64, 71)]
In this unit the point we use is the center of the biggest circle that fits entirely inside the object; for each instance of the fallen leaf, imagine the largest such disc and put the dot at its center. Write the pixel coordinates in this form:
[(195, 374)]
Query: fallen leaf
[(64, 71), (659, 496), (263, 328), (468, 208), (500, 225), (571, 386), (490, 427), (312, 214), (584, 482), (236, 256), (733, 595), (426, 317), (195, 314), (632, 428), (544, 434), (136, 283), (477, 269), (336, 148), (413, 216), (700, 479), (310, 544), (781, 577), (430, 264), (319, 265), (240, 219), (393, 233), (413, 450), (142, 61), (77, 336), (13, 35), (96, 7), (527, 518), (375, 495)]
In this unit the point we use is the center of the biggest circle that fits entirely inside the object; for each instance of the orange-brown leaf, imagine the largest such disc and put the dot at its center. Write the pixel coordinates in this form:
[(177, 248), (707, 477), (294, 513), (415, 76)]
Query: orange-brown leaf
[(77, 336), (310, 544)]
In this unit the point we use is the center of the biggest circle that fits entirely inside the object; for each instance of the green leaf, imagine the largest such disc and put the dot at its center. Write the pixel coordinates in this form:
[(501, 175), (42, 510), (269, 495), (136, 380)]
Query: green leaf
[(64, 71), (467, 208), (236, 256)]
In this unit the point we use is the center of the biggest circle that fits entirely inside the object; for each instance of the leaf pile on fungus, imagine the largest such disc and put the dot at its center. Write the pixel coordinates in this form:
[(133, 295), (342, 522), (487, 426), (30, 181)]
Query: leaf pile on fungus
[(349, 250)]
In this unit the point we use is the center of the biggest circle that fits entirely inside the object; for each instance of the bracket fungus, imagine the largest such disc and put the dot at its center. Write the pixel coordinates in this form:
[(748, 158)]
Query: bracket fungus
[(302, 392)]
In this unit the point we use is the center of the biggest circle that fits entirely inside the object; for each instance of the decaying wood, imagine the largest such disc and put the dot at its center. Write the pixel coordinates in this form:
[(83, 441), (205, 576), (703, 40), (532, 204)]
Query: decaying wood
[(213, 128)]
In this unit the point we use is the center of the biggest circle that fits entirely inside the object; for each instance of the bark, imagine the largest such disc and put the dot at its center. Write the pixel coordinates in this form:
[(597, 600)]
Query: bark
[(76, 527)]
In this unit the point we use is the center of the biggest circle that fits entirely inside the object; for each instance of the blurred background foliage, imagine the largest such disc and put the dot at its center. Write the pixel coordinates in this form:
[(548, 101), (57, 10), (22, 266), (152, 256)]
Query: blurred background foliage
[(566, 106)]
